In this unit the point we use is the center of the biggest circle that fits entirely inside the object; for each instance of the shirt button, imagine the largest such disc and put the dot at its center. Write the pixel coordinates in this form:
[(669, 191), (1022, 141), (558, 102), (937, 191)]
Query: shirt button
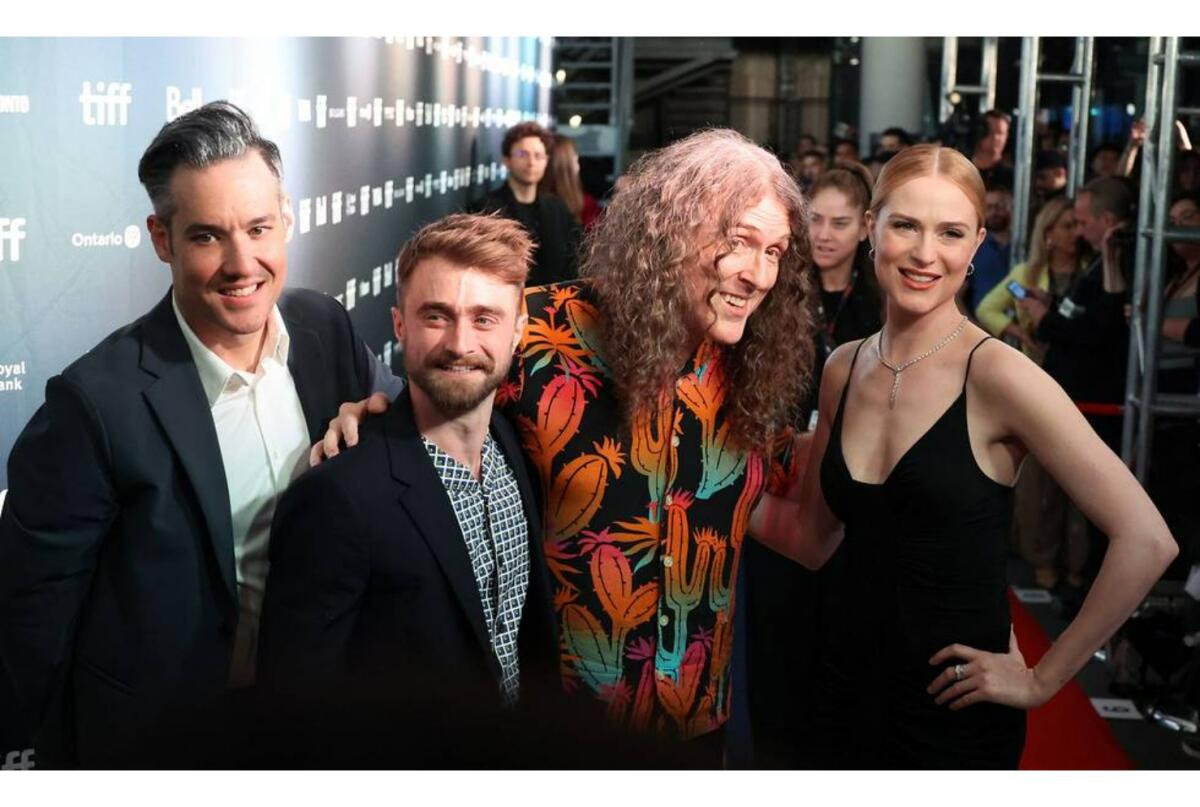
[(668, 561), (675, 440), (663, 620)]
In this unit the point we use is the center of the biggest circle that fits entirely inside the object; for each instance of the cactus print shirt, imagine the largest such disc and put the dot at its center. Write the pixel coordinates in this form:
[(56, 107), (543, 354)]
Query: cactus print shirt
[(643, 530)]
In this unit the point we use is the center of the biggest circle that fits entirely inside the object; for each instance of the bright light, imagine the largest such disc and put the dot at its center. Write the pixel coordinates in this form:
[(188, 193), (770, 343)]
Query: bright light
[(854, 61), (575, 121), (1130, 110), (560, 76)]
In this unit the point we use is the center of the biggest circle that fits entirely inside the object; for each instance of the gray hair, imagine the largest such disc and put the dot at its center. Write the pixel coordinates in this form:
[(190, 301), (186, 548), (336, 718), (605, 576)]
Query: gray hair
[(214, 132)]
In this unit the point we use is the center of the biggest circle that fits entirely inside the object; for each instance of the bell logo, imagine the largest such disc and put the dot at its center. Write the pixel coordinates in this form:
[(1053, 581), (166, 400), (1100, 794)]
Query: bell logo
[(107, 105), (178, 105), (12, 233)]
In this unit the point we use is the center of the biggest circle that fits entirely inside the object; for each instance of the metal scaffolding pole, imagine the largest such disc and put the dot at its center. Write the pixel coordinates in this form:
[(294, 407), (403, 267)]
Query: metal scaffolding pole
[(1154, 277), (985, 89), (1023, 164), (1081, 102), (1080, 78), (1135, 364)]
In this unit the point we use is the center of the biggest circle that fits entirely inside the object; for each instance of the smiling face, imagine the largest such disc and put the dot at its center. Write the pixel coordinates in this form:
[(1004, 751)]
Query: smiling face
[(924, 236), (836, 227), (226, 247), (459, 327), (747, 269)]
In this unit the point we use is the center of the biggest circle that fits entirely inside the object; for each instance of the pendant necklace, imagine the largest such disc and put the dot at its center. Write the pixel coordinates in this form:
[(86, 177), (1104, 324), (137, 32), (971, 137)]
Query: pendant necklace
[(896, 371)]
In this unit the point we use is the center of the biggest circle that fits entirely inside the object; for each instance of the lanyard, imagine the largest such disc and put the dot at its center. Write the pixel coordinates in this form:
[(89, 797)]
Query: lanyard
[(831, 322)]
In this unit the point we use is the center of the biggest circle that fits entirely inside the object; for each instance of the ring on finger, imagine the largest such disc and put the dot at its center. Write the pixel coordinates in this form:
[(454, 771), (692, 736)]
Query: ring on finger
[(959, 672)]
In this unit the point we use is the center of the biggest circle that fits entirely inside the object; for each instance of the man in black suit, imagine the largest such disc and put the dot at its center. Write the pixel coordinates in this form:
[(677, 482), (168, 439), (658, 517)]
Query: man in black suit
[(410, 571), (133, 540), (556, 234)]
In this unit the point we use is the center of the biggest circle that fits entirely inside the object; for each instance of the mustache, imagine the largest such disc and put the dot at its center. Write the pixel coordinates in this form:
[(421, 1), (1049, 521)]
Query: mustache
[(449, 361)]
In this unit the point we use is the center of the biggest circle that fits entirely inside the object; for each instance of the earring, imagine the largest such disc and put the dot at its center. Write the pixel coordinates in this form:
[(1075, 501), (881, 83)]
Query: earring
[(871, 253), (970, 269)]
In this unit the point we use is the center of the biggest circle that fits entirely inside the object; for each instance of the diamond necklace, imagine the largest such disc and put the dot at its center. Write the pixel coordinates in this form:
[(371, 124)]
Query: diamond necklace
[(896, 371)]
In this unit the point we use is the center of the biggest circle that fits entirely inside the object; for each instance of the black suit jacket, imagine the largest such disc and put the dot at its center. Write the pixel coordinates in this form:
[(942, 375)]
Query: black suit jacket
[(117, 581), (556, 233), (372, 590)]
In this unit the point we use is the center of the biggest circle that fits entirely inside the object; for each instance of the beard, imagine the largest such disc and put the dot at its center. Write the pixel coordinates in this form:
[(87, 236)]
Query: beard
[(454, 394)]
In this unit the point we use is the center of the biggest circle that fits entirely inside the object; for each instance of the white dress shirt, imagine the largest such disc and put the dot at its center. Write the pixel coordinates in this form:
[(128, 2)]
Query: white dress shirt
[(264, 446)]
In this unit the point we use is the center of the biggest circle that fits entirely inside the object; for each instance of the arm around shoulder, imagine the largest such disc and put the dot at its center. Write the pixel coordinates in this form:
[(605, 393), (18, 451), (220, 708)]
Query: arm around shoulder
[(798, 524)]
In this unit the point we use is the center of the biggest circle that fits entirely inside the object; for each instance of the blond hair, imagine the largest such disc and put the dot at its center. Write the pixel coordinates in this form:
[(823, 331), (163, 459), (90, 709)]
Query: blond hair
[(930, 159)]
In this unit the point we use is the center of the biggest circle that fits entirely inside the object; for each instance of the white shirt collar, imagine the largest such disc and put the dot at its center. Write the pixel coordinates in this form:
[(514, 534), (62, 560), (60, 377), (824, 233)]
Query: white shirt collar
[(215, 373)]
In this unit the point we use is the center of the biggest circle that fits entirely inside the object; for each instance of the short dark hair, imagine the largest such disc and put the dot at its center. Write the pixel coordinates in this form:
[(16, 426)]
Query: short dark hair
[(522, 131), (839, 141), (1112, 194), (904, 137), (820, 155), (996, 186), (216, 131)]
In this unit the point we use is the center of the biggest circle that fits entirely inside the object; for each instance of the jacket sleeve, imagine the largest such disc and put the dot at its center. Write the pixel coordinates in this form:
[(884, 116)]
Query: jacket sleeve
[(319, 567), (993, 311), (1101, 321), (60, 506)]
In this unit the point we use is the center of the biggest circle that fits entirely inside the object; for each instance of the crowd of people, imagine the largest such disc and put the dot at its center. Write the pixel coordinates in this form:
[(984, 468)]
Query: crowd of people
[(525, 550)]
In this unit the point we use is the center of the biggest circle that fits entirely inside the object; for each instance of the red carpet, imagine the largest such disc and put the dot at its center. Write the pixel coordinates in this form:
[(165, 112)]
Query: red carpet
[(1066, 733)]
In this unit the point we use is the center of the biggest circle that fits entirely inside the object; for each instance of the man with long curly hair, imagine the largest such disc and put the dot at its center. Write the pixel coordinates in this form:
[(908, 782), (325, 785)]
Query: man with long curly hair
[(651, 396)]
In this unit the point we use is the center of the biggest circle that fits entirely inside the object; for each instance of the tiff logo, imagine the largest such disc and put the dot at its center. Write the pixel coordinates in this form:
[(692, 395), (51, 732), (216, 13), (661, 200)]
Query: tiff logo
[(108, 105), (18, 760), (12, 232)]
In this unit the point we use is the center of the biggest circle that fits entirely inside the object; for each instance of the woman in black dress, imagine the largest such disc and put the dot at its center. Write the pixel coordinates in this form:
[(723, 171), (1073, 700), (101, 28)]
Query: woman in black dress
[(921, 431)]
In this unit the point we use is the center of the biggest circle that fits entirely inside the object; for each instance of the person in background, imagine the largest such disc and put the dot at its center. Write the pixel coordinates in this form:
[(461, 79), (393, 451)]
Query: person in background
[(1049, 531), (992, 259), (562, 180), (779, 652), (556, 234), (1106, 161), (845, 150), (1049, 178), (991, 138), (878, 160), (894, 139), (810, 166)]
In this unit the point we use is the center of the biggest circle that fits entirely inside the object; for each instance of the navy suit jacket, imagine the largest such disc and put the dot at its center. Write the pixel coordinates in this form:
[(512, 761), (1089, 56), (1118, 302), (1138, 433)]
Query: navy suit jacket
[(371, 587), (118, 595)]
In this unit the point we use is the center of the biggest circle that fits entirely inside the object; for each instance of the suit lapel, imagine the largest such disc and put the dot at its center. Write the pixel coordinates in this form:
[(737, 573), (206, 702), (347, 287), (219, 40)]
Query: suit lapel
[(425, 500), (178, 401)]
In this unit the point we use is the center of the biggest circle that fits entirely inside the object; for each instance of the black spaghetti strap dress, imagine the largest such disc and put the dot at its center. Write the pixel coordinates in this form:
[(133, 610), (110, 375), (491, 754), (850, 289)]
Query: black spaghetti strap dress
[(925, 568)]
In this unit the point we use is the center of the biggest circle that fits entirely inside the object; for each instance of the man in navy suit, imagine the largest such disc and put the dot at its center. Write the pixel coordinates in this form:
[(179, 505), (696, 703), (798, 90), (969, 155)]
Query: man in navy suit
[(133, 544), (411, 569)]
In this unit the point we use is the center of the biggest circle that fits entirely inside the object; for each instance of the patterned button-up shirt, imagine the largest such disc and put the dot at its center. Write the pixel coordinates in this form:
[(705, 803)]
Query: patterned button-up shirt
[(643, 530), (492, 520)]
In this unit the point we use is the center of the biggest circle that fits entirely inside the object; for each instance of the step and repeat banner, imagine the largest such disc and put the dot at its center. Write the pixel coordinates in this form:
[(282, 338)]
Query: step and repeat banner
[(378, 135)]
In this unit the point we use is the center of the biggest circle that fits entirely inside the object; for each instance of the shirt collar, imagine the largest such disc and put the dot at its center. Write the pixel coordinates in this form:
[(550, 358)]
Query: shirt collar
[(456, 477), (215, 373)]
